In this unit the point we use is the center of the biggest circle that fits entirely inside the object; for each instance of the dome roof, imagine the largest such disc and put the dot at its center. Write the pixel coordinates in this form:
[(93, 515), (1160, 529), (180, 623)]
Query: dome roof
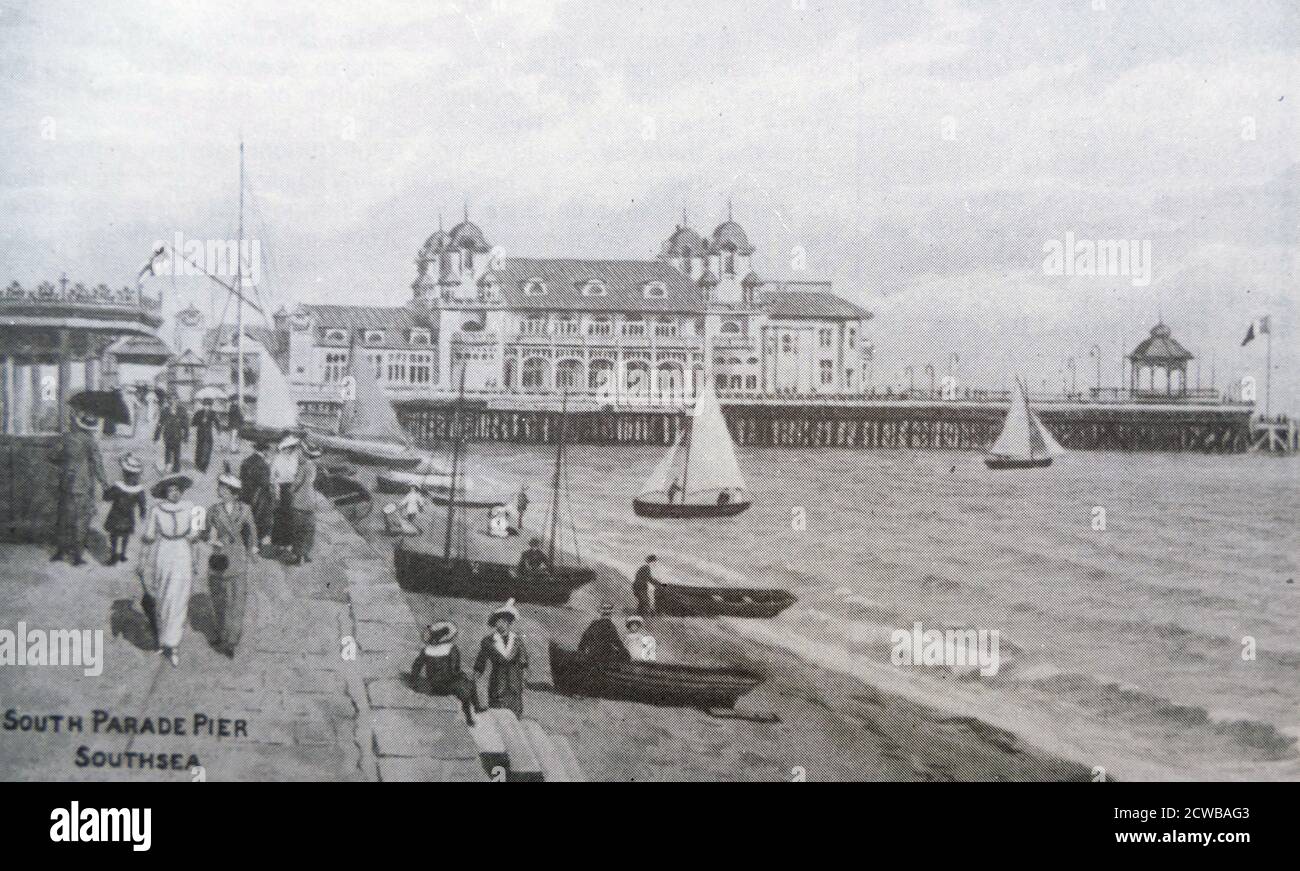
[(730, 236), (466, 234), (751, 280), (1160, 331), (433, 245), (684, 240)]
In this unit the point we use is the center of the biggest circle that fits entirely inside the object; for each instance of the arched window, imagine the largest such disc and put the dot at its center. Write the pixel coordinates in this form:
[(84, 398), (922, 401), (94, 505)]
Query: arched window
[(568, 374), (601, 375), (536, 374), (731, 328)]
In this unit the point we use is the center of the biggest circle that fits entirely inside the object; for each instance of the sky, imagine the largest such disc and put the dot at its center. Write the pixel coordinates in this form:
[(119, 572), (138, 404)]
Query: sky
[(919, 155)]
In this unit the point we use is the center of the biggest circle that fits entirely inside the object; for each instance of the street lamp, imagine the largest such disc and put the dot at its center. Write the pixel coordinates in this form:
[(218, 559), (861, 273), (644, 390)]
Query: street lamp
[(1074, 383), (930, 370), (1095, 352)]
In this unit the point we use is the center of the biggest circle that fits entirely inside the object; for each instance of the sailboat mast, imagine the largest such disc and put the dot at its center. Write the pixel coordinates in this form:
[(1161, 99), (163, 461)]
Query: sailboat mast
[(239, 292), (555, 482), (1029, 420), (686, 464), (455, 466)]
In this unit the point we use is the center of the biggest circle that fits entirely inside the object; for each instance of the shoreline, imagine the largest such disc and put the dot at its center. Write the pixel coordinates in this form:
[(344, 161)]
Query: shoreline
[(831, 725)]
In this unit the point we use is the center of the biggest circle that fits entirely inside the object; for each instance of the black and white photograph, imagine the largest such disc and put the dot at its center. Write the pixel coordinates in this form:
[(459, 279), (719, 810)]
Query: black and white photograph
[(584, 391)]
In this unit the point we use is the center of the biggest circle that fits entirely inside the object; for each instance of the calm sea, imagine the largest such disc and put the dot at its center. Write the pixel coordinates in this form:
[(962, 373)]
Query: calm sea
[(1120, 648)]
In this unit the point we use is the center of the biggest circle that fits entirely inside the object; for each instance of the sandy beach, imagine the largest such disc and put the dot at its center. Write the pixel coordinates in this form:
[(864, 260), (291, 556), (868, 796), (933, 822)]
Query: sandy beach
[(804, 721)]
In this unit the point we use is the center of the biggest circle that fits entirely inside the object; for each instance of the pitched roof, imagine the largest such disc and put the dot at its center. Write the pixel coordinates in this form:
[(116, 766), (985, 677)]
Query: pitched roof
[(139, 346), (624, 281), (366, 317), (808, 299)]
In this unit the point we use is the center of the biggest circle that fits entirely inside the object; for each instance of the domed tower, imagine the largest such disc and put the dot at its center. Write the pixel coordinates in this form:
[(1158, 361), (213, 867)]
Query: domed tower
[(425, 287), (729, 259), (468, 260), (686, 250)]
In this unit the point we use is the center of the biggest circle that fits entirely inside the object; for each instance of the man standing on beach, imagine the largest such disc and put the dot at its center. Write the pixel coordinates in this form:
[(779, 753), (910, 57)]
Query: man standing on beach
[(521, 504), (643, 587)]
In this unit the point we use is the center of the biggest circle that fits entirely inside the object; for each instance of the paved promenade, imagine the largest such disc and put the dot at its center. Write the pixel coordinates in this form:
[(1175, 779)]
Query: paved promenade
[(296, 702)]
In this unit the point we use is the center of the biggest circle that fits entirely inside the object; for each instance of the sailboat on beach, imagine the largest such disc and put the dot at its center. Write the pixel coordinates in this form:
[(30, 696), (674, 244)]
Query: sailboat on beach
[(368, 432), (482, 567), (1024, 442), (699, 477), (276, 411)]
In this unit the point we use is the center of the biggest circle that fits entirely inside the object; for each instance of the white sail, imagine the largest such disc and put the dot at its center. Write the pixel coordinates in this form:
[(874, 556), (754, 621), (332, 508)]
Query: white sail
[(276, 406), (665, 472), (712, 462), (1014, 441), (1050, 446), (369, 415)]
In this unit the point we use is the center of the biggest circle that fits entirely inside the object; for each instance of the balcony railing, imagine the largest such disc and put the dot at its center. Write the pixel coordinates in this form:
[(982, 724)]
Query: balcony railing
[(79, 295)]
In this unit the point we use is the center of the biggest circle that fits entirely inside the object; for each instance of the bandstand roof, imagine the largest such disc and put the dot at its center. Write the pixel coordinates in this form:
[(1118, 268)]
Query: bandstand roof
[(1161, 348)]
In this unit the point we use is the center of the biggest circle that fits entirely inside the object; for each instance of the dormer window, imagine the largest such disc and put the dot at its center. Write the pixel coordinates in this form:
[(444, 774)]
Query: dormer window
[(594, 287), (654, 290), (535, 287), (421, 337), (336, 335), (374, 337)]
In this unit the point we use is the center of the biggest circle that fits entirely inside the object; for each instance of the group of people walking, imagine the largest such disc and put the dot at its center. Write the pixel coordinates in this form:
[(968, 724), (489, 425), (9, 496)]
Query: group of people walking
[(268, 508)]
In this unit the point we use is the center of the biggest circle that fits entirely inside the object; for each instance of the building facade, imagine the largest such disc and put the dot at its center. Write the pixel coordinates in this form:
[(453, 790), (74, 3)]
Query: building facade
[(613, 330)]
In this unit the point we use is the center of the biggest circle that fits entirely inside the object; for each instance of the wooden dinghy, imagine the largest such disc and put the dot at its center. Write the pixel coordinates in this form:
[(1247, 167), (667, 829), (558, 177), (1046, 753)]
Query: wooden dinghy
[(685, 600), (345, 493), (652, 683), (699, 477)]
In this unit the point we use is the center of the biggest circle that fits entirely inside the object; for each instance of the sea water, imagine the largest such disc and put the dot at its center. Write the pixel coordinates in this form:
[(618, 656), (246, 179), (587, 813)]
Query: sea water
[(1147, 604)]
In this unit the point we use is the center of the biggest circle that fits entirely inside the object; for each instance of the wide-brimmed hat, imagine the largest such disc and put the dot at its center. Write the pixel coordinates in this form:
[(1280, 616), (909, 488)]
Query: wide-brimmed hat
[(86, 421), (230, 481), (442, 631), (651, 558), (159, 490), (390, 508), (289, 442), (506, 610), (131, 463), (634, 618)]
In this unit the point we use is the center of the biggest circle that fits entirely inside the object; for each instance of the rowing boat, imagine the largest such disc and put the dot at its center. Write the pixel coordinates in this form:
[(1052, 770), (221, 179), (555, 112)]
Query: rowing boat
[(654, 683)]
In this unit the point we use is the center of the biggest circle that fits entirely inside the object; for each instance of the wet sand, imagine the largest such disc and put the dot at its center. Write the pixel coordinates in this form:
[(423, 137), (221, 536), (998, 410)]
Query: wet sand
[(803, 721)]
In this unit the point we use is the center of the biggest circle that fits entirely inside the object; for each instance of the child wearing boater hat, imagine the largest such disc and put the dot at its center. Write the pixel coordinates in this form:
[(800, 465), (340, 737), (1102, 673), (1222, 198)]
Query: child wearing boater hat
[(126, 498), (439, 660)]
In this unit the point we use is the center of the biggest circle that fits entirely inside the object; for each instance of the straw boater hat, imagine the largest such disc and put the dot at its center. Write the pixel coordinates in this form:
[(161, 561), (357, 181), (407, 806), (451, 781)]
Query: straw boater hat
[(159, 490), (634, 618), (131, 463), (442, 631), (230, 481), (506, 610), (289, 442)]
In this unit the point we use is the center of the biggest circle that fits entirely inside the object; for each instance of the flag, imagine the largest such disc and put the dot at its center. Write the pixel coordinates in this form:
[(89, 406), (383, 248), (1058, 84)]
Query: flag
[(148, 267), (1251, 332)]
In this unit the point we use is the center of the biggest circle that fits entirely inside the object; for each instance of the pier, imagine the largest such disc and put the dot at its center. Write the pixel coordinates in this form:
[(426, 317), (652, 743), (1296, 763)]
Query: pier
[(1130, 424)]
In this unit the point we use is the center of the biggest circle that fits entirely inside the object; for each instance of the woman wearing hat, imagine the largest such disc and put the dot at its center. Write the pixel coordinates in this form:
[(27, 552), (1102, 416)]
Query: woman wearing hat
[(126, 498), (233, 535), (304, 503), (284, 471), (167, 566), (504, 650), (439, 660)]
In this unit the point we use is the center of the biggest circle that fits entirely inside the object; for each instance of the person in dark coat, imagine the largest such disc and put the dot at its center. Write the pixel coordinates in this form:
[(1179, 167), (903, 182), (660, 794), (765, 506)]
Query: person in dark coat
[(80, 467), (505, 652), (643, 587), (533, 562), (255, 474), (126, 498), (171, 429), (205, 426), (601, 643), (439, 662), (233, 534)]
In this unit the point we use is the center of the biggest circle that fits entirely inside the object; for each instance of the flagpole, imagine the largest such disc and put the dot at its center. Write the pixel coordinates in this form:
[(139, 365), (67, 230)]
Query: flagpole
[(1268, 370), (239, 305)]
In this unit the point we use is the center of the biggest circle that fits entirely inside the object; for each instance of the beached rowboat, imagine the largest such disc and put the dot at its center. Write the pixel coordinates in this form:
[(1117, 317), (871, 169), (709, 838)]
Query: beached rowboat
[(654, 683), (684, 600), (419, 571)]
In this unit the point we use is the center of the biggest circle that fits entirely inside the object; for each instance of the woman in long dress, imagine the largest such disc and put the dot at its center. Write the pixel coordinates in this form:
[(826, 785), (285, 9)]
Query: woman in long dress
[(284, 471), (504, 650), (167, 563)]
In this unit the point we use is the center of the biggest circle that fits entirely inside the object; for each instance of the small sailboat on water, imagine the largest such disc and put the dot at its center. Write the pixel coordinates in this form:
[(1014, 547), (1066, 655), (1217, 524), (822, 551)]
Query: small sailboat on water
[(699, 477), (368, 432), (1024, 442)]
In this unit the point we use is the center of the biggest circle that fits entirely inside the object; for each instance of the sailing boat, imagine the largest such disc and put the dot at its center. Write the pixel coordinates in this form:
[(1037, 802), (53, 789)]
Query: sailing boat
[(490, 572), (277, 409), (368, 431), (699, 477), (1024, 442)]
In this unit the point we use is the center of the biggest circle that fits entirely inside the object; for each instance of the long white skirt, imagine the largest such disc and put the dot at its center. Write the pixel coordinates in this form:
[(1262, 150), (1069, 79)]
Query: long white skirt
[(172, 582)]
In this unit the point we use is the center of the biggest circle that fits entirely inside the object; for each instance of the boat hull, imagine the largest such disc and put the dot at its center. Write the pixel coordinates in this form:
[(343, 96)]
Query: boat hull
[(999, 463), (346, 494), (683, 600), (652, 683), (402, 482), (435, 575), (684, 510)]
